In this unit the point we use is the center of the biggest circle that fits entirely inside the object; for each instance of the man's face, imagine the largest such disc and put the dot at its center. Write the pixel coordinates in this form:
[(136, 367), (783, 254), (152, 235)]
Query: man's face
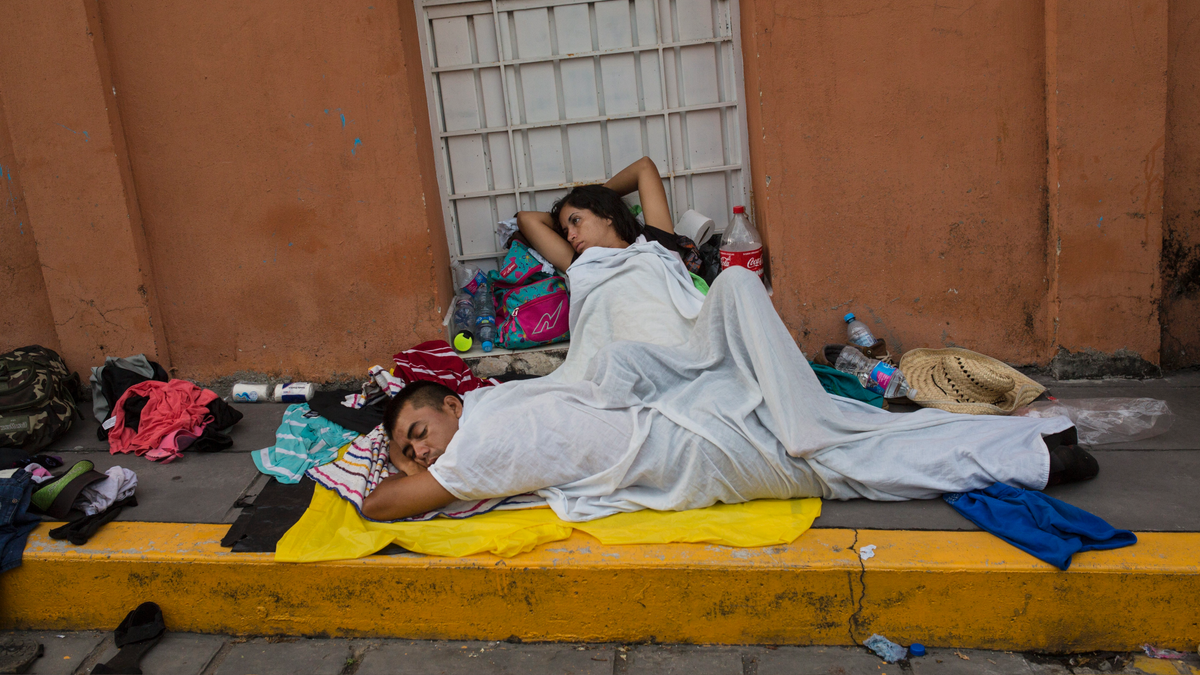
[(422, 434)]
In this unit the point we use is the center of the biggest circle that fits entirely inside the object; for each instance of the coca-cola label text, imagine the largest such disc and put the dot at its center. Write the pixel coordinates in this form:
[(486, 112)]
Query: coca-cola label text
[(751, 260)]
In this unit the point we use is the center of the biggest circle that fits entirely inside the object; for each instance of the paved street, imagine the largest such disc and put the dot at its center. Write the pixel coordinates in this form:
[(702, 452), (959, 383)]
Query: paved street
[(194, 654)]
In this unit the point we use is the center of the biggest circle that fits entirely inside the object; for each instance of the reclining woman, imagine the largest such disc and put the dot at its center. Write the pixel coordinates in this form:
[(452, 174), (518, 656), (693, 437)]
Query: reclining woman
[(733, 414), (623, 287)]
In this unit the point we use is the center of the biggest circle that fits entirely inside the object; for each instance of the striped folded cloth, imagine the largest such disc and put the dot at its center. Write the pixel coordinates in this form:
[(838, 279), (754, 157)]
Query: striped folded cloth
[(366, 462), (304, 440)]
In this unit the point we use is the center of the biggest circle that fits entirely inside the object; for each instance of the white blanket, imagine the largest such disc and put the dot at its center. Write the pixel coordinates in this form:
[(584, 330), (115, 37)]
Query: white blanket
[(735, 413), (641, 293)]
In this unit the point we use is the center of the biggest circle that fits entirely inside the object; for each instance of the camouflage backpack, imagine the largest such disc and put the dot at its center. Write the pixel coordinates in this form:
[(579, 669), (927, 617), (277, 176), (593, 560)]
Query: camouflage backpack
[(37, 398)]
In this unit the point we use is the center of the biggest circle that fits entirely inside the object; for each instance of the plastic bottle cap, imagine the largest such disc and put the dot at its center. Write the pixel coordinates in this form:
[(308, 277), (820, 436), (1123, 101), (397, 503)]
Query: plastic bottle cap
[(917, 649), (739, 209), (486, 345), (848, 318)]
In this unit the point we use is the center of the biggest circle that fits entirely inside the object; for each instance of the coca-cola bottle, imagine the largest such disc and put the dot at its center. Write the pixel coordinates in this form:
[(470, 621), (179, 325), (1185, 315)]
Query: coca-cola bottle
[(740, 245)]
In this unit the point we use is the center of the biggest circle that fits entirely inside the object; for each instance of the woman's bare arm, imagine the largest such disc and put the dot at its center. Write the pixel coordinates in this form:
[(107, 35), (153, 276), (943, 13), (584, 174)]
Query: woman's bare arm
[(399, 497), (643, 176), (545, 239)]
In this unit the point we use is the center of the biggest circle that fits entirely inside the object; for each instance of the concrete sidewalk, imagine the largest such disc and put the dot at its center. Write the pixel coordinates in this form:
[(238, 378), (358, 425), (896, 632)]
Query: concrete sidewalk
[(75, 653), (1144, 486)]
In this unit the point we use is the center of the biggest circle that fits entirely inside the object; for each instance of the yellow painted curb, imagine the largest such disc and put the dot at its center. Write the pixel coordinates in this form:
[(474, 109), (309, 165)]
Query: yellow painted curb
[(964, 589)]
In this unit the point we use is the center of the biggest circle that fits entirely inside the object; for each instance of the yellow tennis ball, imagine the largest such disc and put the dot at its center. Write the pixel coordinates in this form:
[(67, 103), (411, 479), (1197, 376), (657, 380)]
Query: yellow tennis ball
[(463, 341)]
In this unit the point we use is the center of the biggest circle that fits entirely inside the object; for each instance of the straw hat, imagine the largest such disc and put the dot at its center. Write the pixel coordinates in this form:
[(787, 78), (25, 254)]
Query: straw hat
[(963, 381)]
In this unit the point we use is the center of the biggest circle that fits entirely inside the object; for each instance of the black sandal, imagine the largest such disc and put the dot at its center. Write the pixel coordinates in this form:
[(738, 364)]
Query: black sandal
[(138, 633)]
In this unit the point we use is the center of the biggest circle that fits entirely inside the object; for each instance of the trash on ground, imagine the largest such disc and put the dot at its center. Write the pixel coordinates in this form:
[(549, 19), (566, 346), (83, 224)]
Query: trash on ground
[(294, 392), (249, 392), (916, 649), (1161, 653), (867, 552), (886, 649), (1108, 420)]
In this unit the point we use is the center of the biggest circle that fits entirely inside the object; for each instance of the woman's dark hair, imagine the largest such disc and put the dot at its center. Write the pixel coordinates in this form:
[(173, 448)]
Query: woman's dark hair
[(421, 394), (603, 202)]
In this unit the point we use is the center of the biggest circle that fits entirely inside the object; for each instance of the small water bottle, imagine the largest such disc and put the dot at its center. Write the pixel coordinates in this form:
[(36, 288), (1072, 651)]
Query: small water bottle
[(485, 317), (858, 332), (875, 375), (464, 321), (467, 277)]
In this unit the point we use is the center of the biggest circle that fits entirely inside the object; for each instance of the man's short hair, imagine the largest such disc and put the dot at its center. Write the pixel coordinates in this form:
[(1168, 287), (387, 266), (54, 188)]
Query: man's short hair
[(420, 394)]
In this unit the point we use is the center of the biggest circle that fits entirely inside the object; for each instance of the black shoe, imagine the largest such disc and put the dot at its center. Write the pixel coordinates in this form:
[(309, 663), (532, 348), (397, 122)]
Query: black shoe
[(1071, 464), (137, 634)]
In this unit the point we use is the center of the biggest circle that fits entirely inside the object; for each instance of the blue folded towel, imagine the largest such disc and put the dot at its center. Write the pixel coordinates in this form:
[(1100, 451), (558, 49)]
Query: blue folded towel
[(1042, 526)]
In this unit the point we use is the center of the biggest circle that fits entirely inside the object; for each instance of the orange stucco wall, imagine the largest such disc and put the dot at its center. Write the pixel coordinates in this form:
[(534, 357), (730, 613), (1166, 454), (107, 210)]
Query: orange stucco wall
[(899, 158), (1181, 236), (273, 146), (25, 316), (256, 190)]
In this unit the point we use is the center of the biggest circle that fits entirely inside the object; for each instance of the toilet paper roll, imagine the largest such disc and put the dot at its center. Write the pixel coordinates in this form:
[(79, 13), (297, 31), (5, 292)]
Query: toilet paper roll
[(695, 226), (246, 392), (294, 392)]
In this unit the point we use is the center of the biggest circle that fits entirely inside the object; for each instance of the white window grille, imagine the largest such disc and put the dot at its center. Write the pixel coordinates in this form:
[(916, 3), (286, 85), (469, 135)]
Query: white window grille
[(529, 97)]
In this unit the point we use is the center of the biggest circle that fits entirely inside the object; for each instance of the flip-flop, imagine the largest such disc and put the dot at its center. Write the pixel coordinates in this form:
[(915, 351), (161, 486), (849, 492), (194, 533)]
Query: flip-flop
[(44, 496), (18, 654), (138, 633), (56, 496)]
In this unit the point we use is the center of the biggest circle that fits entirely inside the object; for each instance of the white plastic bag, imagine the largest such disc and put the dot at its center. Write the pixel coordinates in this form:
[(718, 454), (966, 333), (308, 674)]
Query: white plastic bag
[(1107, 420)]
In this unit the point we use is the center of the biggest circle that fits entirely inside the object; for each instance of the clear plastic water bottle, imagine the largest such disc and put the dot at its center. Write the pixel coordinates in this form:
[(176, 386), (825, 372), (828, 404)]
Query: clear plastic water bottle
[(875, 375), (467, 277), (740, 245), (485, 317), (858, 332), (464, 321)]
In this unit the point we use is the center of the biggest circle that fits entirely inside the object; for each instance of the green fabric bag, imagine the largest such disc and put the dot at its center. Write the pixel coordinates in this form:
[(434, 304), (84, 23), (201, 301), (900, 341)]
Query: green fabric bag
[(844, 384)]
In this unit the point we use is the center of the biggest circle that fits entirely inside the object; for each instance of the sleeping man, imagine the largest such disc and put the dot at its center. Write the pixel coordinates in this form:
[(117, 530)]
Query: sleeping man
[(732, 415)]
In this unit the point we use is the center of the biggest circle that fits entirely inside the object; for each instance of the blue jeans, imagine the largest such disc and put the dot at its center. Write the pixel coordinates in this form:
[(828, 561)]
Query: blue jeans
[(15, 520)]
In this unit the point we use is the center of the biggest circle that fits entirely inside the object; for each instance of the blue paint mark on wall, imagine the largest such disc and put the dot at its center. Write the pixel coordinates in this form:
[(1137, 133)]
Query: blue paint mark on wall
[(1098, 222), (357, 142), (327, 111), (86, 138), (343, 120)]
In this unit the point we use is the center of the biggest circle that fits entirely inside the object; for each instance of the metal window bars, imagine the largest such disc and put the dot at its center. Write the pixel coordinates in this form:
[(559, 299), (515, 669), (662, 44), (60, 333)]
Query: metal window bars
[(530, 97)]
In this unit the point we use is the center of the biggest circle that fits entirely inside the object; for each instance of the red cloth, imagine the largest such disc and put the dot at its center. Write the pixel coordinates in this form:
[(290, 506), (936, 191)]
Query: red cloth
[(436, 361), (173, 406)]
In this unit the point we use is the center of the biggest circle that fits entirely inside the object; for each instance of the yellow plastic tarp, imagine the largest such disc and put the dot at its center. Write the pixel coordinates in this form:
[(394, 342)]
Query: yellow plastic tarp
[(331, 529)]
